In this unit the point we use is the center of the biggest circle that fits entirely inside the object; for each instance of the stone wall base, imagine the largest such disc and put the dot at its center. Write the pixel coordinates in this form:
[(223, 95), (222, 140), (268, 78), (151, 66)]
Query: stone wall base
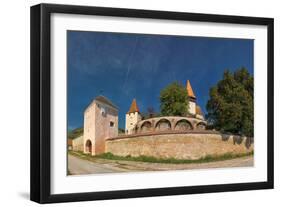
[(179, 146)]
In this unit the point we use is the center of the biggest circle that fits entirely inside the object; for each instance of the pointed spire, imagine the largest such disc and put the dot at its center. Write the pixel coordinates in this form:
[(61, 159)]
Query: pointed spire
[(189, 90), (134, 107)]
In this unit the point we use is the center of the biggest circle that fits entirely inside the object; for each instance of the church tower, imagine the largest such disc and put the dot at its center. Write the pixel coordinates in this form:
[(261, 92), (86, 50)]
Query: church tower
[(192, 98), (133, 116), (100, 123)]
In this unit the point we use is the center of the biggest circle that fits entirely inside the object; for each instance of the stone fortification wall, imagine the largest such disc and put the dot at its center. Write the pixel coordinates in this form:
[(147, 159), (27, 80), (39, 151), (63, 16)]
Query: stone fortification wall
[(179, 145), (77, 144)]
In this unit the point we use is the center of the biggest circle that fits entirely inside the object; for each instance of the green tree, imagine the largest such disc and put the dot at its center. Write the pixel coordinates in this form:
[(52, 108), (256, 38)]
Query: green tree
[(231, 106), (72, 134), (174, 100)]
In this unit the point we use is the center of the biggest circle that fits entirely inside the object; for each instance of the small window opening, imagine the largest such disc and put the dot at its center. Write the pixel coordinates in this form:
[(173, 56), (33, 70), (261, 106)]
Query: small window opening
[(111, 124)]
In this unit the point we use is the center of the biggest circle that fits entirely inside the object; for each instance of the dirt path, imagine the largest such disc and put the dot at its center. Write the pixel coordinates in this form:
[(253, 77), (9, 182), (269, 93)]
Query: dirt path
[(78, 166)]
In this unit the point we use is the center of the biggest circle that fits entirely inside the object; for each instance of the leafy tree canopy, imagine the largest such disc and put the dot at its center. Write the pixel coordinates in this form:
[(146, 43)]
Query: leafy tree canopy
[(75, 133), (174, 100), (231, 107)]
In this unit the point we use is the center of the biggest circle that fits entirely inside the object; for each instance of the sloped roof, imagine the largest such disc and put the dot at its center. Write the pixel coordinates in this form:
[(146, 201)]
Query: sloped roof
[(134, 107), (190, 92), (105, 100)]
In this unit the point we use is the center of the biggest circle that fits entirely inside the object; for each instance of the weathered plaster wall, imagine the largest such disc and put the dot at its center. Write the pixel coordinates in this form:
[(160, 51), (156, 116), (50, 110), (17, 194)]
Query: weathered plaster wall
[(192, 107), (180, 146), (100, 122), (78, 144), (131, 120), (102, 125), (89, 130)]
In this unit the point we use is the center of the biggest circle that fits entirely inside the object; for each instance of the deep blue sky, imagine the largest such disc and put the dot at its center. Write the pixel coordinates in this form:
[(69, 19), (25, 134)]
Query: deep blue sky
[(125, 66)]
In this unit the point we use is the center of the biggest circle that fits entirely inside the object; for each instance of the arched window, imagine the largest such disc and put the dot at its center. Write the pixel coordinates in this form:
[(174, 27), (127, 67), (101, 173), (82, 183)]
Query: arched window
[(183, 125), (201, 126), (163, 124), (146, 126)]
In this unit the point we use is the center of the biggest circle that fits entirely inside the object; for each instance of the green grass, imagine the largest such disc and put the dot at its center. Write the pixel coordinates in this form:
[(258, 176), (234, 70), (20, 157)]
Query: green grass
[(207, 158)]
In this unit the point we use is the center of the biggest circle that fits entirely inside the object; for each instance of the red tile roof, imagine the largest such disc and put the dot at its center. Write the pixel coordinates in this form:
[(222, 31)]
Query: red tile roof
[(189, 90), (134, 107)]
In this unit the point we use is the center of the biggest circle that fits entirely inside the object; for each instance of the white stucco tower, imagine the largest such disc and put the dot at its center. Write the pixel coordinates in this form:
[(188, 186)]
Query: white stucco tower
[(192, 98), (133, 116)]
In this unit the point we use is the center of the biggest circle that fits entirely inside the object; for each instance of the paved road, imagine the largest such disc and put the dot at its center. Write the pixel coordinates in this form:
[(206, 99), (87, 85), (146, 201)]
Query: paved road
[(78, 166)]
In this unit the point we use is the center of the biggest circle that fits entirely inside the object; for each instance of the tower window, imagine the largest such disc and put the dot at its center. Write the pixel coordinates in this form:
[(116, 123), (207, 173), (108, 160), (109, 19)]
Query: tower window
[(111, 124), (103, 112)]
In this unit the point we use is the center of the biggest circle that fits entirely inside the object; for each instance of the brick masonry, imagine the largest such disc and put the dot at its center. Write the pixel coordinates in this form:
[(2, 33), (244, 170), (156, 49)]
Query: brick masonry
[(179, 145)]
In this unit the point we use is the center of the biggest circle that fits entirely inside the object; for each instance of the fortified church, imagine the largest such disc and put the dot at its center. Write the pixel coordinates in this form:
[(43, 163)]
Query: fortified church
[(194, 120), (178, 137), (101, 122)]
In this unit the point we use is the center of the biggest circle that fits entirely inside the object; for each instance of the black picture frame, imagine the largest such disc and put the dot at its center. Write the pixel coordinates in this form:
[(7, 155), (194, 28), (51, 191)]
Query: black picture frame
[(41, 99)]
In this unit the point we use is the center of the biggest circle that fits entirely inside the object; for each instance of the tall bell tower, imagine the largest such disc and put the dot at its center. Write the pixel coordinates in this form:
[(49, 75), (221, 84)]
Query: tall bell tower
[(133, 116), (192, 98)]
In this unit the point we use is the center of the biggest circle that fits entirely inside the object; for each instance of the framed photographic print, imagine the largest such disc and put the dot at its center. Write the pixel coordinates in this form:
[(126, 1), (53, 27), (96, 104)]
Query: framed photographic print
[(133, 103)]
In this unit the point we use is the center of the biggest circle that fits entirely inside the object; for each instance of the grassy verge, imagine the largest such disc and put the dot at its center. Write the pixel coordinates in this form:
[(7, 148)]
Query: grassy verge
[(208, 158)]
